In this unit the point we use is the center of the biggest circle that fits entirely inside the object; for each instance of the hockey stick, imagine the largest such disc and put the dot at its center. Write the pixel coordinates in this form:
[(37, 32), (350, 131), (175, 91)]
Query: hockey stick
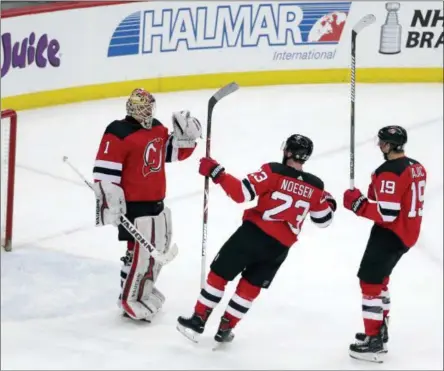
[(221, 93), (132, 230), (363, 23)]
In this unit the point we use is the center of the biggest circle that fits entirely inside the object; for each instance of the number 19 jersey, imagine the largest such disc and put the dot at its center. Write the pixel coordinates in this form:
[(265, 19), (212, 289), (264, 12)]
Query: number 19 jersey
[(285, 197), (398, 188)]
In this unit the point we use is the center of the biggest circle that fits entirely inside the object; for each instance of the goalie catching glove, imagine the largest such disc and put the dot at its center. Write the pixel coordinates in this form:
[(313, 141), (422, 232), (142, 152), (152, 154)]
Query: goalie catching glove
[(186, 130), (110, 203)]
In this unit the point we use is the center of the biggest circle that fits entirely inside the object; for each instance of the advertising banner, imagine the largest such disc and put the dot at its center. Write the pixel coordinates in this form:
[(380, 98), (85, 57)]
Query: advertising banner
[(151, 40)]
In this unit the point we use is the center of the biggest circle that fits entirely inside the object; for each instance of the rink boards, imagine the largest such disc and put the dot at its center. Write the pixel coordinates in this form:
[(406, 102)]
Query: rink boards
[(101, 52)]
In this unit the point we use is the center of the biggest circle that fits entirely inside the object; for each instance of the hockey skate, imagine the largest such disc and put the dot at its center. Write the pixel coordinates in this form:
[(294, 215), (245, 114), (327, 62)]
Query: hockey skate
[(191, 327), (224, 334), (360, 336), (369, 350)]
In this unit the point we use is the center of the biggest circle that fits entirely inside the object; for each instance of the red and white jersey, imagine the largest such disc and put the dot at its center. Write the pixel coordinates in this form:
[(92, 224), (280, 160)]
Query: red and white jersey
[(398, 188), (134, 158), (285, 197)]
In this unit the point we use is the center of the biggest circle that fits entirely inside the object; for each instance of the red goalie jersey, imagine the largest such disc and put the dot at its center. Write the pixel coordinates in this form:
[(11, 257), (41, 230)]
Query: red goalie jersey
[(285, 197), (398, 187), (135, 158)]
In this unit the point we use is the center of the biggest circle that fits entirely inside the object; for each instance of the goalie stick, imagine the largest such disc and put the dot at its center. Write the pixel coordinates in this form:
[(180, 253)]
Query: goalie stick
[(132, 230), (363, 23), (221, 93)]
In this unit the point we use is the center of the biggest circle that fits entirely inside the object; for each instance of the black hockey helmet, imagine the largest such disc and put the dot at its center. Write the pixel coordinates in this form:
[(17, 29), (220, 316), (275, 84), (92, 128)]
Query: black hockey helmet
[(394, 135), (300, 147)]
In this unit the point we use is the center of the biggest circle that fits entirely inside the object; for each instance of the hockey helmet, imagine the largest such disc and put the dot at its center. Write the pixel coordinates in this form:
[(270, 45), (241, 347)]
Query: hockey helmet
[(299, 146), (141, 105), (394, 135)]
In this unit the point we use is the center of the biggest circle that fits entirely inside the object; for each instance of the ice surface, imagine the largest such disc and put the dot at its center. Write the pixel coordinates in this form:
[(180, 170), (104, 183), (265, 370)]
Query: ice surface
[(60, 284)]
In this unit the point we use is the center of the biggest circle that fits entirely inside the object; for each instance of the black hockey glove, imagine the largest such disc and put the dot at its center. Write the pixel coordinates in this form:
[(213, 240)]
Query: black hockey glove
[(355, 201), (211, 168)]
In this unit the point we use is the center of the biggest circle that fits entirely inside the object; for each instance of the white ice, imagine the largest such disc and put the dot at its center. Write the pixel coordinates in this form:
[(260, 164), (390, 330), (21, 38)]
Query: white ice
[(60, 284)]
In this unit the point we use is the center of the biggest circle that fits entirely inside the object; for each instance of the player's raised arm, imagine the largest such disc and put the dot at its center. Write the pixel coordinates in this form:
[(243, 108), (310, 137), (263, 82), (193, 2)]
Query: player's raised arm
[(244, 190), (181, 142)]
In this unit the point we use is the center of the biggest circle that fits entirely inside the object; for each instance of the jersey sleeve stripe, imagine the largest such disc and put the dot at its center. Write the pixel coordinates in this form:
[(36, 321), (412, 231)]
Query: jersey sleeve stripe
[(387, 218), (389, 205), (107, 177), (389, 210), (248, 190), (171, 153), (107, 171), (324, 221), (109, 165), (168, 150), (320, 214)]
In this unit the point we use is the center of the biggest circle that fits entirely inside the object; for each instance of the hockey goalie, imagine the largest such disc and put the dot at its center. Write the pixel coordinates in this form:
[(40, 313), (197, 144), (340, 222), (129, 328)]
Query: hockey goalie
[(129, 176)]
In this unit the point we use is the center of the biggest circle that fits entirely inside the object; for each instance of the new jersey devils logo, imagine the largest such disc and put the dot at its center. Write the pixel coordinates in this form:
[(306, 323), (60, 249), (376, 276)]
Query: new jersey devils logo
[(152, 157)]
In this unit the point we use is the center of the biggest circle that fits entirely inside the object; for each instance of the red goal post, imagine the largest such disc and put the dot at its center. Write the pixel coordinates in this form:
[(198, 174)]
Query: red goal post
[(8, 153)]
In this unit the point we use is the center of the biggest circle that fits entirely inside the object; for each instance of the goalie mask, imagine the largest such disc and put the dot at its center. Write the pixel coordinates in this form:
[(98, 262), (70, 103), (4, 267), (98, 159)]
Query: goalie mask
[(141, 105)]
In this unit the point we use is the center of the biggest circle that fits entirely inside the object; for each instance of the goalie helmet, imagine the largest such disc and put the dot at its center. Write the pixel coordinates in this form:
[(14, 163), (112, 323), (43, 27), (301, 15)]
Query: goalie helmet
[(300, 148), (141, 105)]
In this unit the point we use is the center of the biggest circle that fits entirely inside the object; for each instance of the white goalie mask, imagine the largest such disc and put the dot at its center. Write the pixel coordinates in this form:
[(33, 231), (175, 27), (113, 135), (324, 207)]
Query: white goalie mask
[(141, 105)]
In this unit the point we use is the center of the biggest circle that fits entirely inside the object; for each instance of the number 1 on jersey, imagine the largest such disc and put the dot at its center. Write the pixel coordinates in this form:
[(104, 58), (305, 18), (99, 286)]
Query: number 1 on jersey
[(106, 147)]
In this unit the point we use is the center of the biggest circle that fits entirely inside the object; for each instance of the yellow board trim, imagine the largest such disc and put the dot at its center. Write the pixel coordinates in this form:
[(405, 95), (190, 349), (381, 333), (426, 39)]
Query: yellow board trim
[(209, 81)]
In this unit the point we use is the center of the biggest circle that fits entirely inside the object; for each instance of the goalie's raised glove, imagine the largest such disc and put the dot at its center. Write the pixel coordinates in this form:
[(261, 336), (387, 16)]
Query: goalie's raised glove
[(110, 203), (211, 168), (187, 129)]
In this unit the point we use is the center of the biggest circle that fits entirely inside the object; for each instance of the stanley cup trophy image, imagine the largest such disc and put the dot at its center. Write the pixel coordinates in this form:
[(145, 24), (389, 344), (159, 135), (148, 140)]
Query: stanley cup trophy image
[(391, 30)]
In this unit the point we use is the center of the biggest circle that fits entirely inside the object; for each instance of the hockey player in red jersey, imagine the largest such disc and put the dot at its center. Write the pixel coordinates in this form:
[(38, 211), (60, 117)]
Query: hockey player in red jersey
[(129, 174), (394, 202), (286, 195)]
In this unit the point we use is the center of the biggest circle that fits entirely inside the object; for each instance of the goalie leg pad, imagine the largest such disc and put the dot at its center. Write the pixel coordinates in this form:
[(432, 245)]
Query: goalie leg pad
[(139, 298), (156, 292), (141, 264), (159, 229), (124, 270)]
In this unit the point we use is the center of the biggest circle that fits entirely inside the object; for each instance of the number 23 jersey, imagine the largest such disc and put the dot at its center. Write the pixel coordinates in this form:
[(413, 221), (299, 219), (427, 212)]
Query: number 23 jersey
[(285, 197)]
